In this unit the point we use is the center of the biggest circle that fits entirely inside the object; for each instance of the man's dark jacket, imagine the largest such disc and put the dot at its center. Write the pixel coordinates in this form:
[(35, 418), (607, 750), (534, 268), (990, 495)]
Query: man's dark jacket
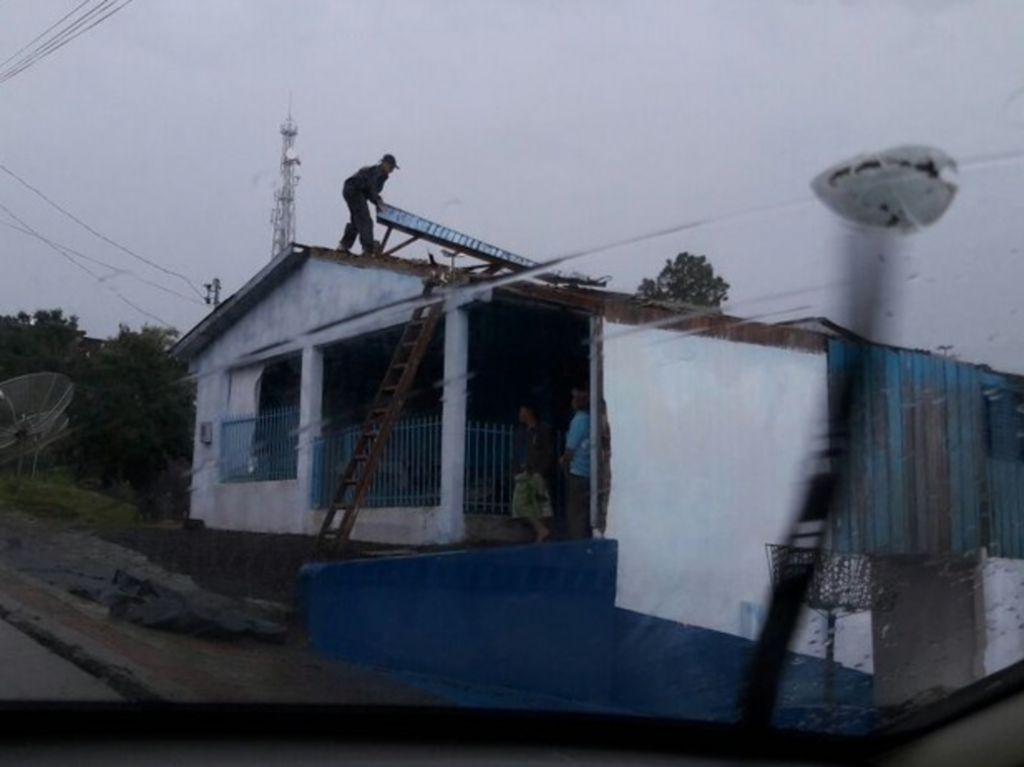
[(367, 183)]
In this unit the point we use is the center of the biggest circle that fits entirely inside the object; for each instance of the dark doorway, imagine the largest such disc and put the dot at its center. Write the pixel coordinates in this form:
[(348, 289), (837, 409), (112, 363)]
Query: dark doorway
[(525, 353), (519, 353)]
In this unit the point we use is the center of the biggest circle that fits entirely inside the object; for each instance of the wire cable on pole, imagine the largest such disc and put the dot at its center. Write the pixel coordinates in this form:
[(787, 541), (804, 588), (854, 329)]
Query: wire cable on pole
[(101, 280), (116, 270), (102, 236)]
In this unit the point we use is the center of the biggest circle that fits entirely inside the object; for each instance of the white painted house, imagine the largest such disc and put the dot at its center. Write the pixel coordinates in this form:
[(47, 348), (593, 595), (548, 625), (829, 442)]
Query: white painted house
[(709, 424), (710, 419)]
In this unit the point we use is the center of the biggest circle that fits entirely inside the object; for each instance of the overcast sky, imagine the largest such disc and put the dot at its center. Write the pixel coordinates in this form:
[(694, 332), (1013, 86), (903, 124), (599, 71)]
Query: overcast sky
[(540, 126)]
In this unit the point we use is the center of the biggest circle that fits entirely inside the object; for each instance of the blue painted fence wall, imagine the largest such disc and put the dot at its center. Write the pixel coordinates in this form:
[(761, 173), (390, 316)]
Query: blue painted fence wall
[(539, 625), (921, 473), (485, 617)]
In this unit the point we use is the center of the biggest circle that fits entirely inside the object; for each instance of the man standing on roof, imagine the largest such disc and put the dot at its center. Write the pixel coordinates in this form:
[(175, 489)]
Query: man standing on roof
[(361, 188)]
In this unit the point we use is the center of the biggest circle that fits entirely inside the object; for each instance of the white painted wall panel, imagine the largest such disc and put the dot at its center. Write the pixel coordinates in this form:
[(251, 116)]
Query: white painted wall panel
[(318, 294), (258, 507), (211, 399), (243, 389), (1003, 584), (709, 442), (269, 507)]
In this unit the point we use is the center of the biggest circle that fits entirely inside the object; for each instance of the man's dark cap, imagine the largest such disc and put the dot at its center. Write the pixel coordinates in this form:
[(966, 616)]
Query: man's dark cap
[(390, 158)]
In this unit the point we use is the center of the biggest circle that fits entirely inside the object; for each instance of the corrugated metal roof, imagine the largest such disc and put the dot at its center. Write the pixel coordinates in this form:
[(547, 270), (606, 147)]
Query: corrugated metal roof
[(420, 227)]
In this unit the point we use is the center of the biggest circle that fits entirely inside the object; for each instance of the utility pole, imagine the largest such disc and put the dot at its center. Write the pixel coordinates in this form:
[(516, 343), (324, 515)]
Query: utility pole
[(213, 292), (284, 197)]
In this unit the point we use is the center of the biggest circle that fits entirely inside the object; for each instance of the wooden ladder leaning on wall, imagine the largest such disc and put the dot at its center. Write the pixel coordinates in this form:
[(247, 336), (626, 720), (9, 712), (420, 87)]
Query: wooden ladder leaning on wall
[(376, 428)]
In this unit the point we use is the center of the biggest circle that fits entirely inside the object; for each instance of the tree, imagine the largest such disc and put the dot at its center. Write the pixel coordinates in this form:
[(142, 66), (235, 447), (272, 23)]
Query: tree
[(43, 342), (133, 409), (689, 279)]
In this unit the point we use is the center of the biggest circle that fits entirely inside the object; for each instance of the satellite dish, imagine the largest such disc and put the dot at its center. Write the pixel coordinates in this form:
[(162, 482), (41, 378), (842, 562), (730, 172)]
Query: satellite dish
[(291, 155), (32, 414), (905, 188)]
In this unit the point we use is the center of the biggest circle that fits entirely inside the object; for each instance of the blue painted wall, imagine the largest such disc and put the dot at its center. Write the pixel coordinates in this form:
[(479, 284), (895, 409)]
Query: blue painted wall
[(531, 617), (531, 625), (921, 475), (663, 668)]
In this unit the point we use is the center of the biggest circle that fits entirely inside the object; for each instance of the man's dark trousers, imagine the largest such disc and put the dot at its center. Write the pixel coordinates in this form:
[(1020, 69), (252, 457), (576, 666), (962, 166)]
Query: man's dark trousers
[(360, 225)]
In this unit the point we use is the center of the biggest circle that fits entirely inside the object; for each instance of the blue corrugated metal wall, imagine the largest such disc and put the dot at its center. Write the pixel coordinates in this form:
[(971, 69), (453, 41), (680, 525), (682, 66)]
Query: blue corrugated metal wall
[(1005, 470), (921, 478)]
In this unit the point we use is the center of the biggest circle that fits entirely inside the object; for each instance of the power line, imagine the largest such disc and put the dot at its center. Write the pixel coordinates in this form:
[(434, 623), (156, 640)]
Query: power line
[(87, 270), (41, 34), (62, 38), (54, 43), (103, 237), (115, 269), (49, 45), (34, 54)]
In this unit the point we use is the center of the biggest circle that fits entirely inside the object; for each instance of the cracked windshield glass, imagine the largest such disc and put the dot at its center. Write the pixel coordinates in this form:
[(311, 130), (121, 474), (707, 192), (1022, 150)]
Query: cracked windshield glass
[(652, 359)]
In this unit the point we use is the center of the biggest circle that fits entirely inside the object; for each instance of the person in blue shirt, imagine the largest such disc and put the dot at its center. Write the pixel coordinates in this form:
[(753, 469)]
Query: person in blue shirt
[(576, 464)]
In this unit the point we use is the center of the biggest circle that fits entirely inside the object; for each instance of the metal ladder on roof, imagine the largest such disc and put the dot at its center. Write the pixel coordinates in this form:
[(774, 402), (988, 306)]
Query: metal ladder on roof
[(376, 429)]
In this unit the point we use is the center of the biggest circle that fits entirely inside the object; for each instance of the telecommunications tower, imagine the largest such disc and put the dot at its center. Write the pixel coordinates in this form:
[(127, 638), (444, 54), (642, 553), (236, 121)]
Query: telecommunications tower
[(284, 197)]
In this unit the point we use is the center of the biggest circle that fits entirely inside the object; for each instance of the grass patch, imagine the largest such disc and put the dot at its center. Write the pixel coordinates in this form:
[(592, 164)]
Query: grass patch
[(57, 499)]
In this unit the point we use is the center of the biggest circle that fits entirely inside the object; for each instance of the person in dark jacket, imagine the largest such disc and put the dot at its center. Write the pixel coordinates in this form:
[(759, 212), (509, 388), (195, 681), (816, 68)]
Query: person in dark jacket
[(533, 459), (362, 188)]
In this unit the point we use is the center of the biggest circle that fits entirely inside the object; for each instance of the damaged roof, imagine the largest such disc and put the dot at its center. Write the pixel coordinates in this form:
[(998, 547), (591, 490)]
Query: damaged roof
[(619, 307), (284, 265)]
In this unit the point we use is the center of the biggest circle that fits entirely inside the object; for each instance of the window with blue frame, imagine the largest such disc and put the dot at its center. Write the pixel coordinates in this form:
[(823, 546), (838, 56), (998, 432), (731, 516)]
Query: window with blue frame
[(262, 446)]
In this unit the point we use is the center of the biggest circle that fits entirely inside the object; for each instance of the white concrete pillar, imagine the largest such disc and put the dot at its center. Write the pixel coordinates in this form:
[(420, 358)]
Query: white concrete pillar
[(310, 419), (595, 423), (450, 524)]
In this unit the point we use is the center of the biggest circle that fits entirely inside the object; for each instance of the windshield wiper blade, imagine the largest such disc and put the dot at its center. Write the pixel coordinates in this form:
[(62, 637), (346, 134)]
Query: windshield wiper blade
[(795, 575), (898, 190)]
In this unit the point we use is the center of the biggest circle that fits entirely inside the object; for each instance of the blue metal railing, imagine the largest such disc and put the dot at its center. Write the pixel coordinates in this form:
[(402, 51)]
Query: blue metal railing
[(488, 468), (259, 447), (409, 474), (489, 478)]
